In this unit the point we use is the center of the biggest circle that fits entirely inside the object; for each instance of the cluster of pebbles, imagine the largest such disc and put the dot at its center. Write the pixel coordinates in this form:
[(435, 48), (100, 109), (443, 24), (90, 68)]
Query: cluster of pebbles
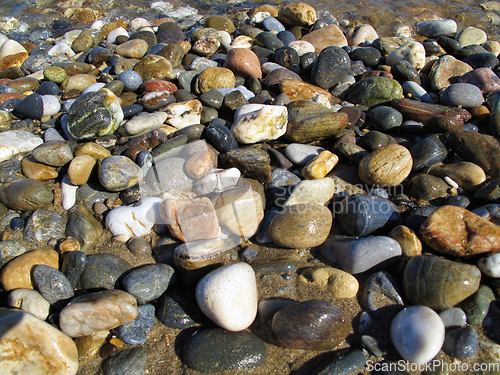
[(230, 195)]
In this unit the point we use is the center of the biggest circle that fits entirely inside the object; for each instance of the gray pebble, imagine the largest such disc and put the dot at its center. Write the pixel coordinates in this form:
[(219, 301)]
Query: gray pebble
[(52, 284), (130, 362), (136, 331), (149, 282)]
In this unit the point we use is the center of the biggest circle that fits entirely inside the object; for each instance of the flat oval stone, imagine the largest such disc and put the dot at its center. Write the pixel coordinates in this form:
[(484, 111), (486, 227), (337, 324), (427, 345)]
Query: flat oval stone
[(331, 66), (30, 301), (477, 306), (228, 296), (456, 231), (235, 351), (385, 118), (136, 331), (54, 153), (148, 282), (52, 284), (132, 360), (368, 55), (361, 214), (39, 347), (375, 90), (97, 311), (17, 273), (327, 36), (389, 165), (471, 35), (311, 325), (439, 283), (435, 28), (117, 173), (154, 67), (27, 195), (103, 271), (302, 225), (462, 94), (357, 255), (418, 334)]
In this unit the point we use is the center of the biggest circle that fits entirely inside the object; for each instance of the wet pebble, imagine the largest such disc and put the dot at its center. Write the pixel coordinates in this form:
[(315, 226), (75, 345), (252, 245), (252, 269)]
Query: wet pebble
[(461, 342), (148, 282), (102, 271), (131, 361), (135, 332), (52, 284)]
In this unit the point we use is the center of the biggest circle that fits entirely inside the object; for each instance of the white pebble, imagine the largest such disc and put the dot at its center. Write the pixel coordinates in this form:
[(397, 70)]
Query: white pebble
[(138, 23), (11, 47), (417, 333), (228, 296), (94, 87), (453, 317), (51, 105), (30, 301), (17, 141), (226, 38), (267, 124), (116, 33), (68, 191), (144, 123), (217, 181), (184, 114), (302, 46), (62, 48), (98, 24), (259, 17), (490, 265), (413, 52), (450, 182)]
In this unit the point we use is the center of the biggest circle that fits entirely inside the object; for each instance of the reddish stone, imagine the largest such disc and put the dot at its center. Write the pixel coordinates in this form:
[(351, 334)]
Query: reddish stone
[(11, 95), (484, 78), (156, 99), (145, 142), (158, 85), (243, 62)]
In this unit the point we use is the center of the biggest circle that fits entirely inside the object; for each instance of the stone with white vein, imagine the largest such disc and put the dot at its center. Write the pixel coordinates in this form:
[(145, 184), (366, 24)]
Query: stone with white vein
[(266, 124), (13, 142), (184, 114)]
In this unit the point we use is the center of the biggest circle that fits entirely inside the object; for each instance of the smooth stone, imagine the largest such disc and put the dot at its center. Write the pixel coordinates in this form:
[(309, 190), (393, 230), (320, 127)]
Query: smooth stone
[(276, 76), (476, 306), (300, 90), (494, 119), (144, 123), (490, 265), (420, 111), (78, 82), (416, 91), (427, 187), (327, 36), (482, 60), (221, 137), (435, 28), (453, 317), (407, 239), (38, 171), (381, 295), (154, 67), (97, 311), (133, 49), (68, 192), (250, 161), (389, 165), (266, 124), (54, 153), (26, 195), (471, 35), (374, 90), (403, 71), (268, 40), (84, 227), (465, 95), (418, 334), (212, 98), (311, 325), (30, 107), (368, 55), (31, 301), (439, 283), (168, 174), (427, 152), (385, 118), (44, 225), (484, 78), (446, 71), (10, 250), (337, 283), (131, 80), (80, 169), (236, 351), (309, 121), (103, 271), (361, 34), (302, 154), (228, 296), (13, 142), (458, 232), (360, 215), (148, 282), (17, 273), (243, 63), (73, 265), (413, 52), (331, 66), (351, 253), (217, 181), (94, 114), (130, 361), (477, 148), (117, 173), (342, 362), (461, 343), (294, 228), (39, 347), (52, 284), (318, 191), (136, 331)]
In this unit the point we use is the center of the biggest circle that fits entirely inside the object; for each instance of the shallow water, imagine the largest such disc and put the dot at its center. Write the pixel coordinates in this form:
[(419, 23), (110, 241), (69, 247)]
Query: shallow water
[(386, 15)]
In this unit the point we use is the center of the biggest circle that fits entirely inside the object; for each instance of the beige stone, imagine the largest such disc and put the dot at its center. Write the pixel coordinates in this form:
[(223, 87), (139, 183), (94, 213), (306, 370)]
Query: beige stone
[(408, 240), (17, 273), (199, 164), (298, 14), (457, 232), (330, 35), (320, 166), (92, 149), (11, 47), (28, 345), (89, 346), (446, 71), (38, 171), (467, 175), (338, 283), (15, 60), (388, 166), (78, 82), (155, 67), (80, 169), (271, 9), (30, 301), (360, 34), (300, 90), (133, 49), (318, 191), (214, 78)]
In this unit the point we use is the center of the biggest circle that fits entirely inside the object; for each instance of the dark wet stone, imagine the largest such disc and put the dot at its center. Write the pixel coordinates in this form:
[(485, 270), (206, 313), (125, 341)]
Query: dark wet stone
[(99, 55), (31, 107), (235, 350), (26, 195), (233, 101), (464, 52), (48, 88), (286, 56), (457, 200), (251, 161), (427, 187), (10, 170), (450, 45), (490, 191), (311, 325), (172, 143), (44, 225), (286, 37), (91, 193), (477, 148), (208, 114), (427, 152), (73, 264), (130, 361), (368, 55), (83, 226), (382, 293), (482, 60), (374, 90), (136, 331), (476, 306), (331, 66), (420, 111), (307, 61), (212, 98), (343, 362), (52, 284), (269, 41), (461, 343), (170, 37), (442, 124), (385, 118), (403, 71), (431, 48), (192, 132), (273, 79), (149, 282), (494, 119), (16, 223), (103, 271), (374, 139), (178, 310), (417, 217), (360, 215)]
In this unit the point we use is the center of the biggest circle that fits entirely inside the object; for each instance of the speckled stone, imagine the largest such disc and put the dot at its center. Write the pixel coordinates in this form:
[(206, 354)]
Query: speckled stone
[(136, 331), (44, 225), (52, 284), (375, 90), (148, 282), (103, 271)]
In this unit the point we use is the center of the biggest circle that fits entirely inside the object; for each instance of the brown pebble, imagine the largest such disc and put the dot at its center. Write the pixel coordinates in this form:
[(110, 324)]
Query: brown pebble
[(100, 208), (116, 342), (199, 164), (69, 244)]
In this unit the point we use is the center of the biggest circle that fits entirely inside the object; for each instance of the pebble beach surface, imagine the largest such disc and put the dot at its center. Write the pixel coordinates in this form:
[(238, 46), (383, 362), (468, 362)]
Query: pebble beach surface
[(265, 191)]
